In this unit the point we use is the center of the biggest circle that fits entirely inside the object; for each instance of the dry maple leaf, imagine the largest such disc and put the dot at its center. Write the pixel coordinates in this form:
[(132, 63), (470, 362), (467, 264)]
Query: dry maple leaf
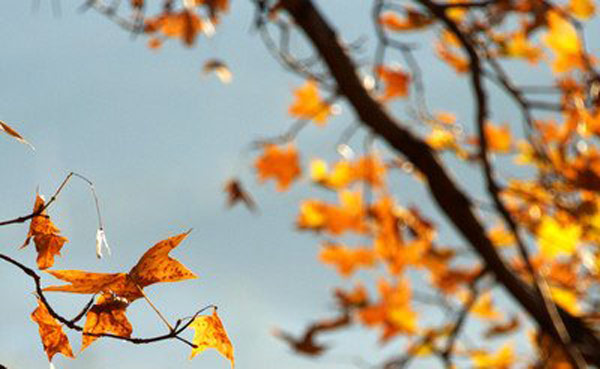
[(48, 241), (55, 341), (308, 104), (210, 333), (106, 316), (280, 164), (12, 132), (120, 289)]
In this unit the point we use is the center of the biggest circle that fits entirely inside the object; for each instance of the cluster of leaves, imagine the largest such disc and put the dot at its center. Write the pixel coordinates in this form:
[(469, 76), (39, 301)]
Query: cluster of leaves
[(111, 293)]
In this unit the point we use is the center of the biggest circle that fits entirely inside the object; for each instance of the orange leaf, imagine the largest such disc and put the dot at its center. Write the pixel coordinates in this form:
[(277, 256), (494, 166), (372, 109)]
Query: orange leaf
[(156, 265), (45, 234), (279, 164), (210, 333), (308, 104), (396, 82), (413, 20), (106, 316), (153, 267), (55, 341), (346, 260)]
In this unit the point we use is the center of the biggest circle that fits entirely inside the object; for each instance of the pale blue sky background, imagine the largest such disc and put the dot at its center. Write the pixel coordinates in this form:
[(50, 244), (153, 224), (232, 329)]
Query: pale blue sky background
[(159, 141)]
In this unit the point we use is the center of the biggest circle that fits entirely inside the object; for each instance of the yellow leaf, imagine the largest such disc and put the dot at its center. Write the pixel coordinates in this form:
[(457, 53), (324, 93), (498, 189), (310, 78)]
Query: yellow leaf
[(562, 38), (281, 164), (308, 104), (583, 9), (555, 239), (210, 333), (501, 360), (566, 299), (484, 307)]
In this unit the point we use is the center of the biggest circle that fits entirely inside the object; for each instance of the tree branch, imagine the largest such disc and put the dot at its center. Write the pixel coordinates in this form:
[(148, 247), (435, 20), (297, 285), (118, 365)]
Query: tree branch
[(452, 201)]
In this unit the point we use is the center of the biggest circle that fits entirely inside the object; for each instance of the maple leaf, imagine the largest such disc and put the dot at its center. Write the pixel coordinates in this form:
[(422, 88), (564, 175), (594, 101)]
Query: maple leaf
[(280, 164), (13, 133), (118, 290), (106, 316), (45, 235), (308, 104), (210, 333), (55, 341), (396, 82), (346, 260)]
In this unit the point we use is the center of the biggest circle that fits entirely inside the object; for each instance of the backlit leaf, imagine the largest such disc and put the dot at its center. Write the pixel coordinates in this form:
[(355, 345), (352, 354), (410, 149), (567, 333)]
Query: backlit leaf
[(55, 341), (106, 316), (280, 164), (308, 104), (210, 333), (45, 235)]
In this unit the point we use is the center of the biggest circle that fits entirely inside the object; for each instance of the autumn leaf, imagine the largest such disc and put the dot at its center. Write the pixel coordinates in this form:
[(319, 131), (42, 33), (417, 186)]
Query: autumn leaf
[(156, 265), (484, 307), (396, 82), (308, 104), (562, 38), (55, 341), (45, 235), (503, 359), (348, 216), (281, 164), (583, 9), (210, 333), (346, 260), (412, 21), (185, 25), (13, 133), (106, 316), (556, 239), (306, 343), (501, 328)]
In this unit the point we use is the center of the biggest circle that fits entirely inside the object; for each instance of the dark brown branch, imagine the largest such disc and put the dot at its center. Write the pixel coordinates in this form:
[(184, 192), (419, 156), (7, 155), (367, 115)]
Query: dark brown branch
[(72, 324), (451, 200)]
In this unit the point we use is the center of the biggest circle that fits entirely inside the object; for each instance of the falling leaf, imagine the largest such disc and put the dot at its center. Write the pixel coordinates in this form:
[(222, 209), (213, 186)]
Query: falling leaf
[(308, 104), (281, 164), (106, 316), (236, 193), (210, 333), (219, 69), (48, 241), (396, 82), (11, 132), (55, 341)]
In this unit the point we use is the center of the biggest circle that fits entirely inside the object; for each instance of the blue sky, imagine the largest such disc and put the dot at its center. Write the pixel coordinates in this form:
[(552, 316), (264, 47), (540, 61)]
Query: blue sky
[(159, 140)]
